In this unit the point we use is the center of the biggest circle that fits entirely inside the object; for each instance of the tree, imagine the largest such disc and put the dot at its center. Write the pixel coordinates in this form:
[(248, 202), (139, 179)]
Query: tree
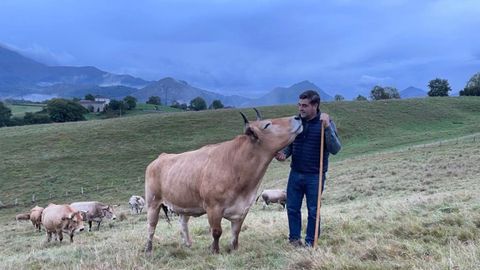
[(473, 86), (155, 100), (36, 118), (89, 97), (62, 110), (177, 105), (439, 88), (198, 104), (360, 98), (216, 104), (338, 97), (131, 102), (392, 92), (378, 93), (117, 105), (5, 114), (388, 92)]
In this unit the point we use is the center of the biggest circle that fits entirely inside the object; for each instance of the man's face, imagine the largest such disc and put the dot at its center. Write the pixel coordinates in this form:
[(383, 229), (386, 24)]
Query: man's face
[(307, 110)]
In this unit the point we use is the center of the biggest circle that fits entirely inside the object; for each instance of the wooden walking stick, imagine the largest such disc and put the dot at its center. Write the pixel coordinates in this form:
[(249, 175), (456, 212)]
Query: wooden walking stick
[(320, 181)]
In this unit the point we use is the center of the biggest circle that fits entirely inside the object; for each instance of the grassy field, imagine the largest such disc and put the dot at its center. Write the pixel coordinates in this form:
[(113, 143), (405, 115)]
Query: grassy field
[(388, 205), (20, 110), (414, 208)]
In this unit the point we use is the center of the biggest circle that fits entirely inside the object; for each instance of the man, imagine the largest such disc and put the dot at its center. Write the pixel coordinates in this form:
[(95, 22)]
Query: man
[(304, 173)]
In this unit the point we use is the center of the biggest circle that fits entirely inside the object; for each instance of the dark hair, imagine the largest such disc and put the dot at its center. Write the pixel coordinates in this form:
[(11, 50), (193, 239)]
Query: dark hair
[(313, 96)]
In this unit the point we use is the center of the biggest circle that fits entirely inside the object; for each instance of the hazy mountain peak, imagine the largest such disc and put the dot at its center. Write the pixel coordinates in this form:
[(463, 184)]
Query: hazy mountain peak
[(412, 92)]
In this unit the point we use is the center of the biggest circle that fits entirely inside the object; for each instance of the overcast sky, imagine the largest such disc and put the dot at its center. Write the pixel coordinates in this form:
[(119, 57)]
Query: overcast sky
[(250, 47)]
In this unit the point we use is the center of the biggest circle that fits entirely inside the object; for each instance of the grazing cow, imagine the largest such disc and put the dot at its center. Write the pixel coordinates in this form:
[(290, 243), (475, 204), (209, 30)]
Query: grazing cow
[(22, 216), (36, 217), (94, 211), (136, 204), (220, 180), (273, 196), (59, 219)]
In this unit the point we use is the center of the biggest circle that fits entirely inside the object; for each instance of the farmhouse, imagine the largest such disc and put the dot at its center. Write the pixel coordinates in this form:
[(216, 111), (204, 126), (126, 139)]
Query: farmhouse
[(98, 105)]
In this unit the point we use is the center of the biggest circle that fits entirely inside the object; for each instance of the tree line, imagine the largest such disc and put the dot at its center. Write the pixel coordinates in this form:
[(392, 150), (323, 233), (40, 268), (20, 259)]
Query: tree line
[(64, 110), (196, 104), (437, 88)]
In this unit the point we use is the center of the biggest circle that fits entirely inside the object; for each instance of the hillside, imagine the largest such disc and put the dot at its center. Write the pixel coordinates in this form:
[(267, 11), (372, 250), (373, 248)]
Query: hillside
[(108, 157), (415, 208), (20, 75)]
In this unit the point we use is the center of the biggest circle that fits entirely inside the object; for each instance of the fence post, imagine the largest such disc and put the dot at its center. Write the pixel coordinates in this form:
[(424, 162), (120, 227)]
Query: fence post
[(33, 198), (50, 195), (82, 190), (97, 187), (16, 201)]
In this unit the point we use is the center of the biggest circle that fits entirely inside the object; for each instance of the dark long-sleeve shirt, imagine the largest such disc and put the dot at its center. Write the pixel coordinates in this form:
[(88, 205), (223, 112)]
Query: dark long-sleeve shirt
[(305, 149)]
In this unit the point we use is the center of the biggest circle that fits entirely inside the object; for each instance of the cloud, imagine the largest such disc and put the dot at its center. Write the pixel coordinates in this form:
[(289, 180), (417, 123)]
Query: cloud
[(44, 55)]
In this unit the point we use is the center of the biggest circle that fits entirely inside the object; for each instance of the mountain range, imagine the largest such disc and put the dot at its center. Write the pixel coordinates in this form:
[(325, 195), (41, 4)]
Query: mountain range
[(25, 78)]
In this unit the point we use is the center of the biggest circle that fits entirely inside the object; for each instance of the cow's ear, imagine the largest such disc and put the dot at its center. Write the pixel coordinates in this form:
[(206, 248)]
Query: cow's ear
[(251, 133)]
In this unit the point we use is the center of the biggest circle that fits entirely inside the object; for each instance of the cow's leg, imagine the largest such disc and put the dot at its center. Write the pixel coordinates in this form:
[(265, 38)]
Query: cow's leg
[(60, 235), (98, 225), (49, 236), (236, 226), (153, 211), (89, 225), (215, 221), (71, 237), (183, 220)]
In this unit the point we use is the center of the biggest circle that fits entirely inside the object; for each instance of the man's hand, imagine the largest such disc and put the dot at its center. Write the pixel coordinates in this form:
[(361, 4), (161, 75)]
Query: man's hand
[(325, 119), (280, 156)]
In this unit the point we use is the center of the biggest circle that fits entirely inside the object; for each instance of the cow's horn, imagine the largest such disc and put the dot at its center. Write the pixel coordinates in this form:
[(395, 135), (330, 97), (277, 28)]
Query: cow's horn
[(244, 118), (259, 115)]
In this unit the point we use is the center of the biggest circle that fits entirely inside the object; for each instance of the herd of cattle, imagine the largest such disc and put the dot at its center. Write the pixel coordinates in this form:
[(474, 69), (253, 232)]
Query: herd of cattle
[(59, 219)]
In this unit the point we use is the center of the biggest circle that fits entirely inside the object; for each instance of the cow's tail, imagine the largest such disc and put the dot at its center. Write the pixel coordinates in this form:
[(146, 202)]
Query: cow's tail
[(165, 210), (258, 197)]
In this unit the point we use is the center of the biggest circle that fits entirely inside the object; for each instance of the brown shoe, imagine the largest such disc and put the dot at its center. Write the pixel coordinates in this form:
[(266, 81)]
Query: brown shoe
[(296, 243)]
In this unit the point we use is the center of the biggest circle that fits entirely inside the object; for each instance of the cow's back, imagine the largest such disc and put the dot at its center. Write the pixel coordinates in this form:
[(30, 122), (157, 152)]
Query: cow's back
[(36, 214), (53, 214)]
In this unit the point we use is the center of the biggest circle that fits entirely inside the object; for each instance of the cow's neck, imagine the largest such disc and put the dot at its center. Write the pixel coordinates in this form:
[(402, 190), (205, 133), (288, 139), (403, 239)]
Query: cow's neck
[(251, 157)]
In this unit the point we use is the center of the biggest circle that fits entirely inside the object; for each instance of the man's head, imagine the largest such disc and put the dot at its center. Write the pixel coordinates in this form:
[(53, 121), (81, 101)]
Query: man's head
[(309, 104)]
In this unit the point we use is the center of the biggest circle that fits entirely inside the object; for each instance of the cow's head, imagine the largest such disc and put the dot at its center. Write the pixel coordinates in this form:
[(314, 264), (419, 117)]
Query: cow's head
[(108, 212), (73, 222), (273, 134)]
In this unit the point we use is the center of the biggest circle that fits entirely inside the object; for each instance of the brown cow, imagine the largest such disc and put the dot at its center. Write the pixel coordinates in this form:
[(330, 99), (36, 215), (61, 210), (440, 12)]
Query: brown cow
[(273, 196), (61, 218), (220, 180), (22, 216), (36, 217)]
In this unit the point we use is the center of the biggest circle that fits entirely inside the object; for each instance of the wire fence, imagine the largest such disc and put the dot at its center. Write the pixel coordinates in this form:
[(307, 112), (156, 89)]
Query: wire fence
[(80, 192)]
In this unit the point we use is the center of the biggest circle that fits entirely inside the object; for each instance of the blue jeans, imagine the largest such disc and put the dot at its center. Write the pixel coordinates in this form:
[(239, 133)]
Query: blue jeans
[(300, 184)]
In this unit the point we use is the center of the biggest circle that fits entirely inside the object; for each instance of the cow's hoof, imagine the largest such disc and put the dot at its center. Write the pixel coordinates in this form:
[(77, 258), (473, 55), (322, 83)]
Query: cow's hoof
[(214, 250)]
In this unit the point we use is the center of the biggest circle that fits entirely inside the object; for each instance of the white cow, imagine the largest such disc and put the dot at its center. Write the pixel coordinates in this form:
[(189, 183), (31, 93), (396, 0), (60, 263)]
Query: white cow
[(136, 204)]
